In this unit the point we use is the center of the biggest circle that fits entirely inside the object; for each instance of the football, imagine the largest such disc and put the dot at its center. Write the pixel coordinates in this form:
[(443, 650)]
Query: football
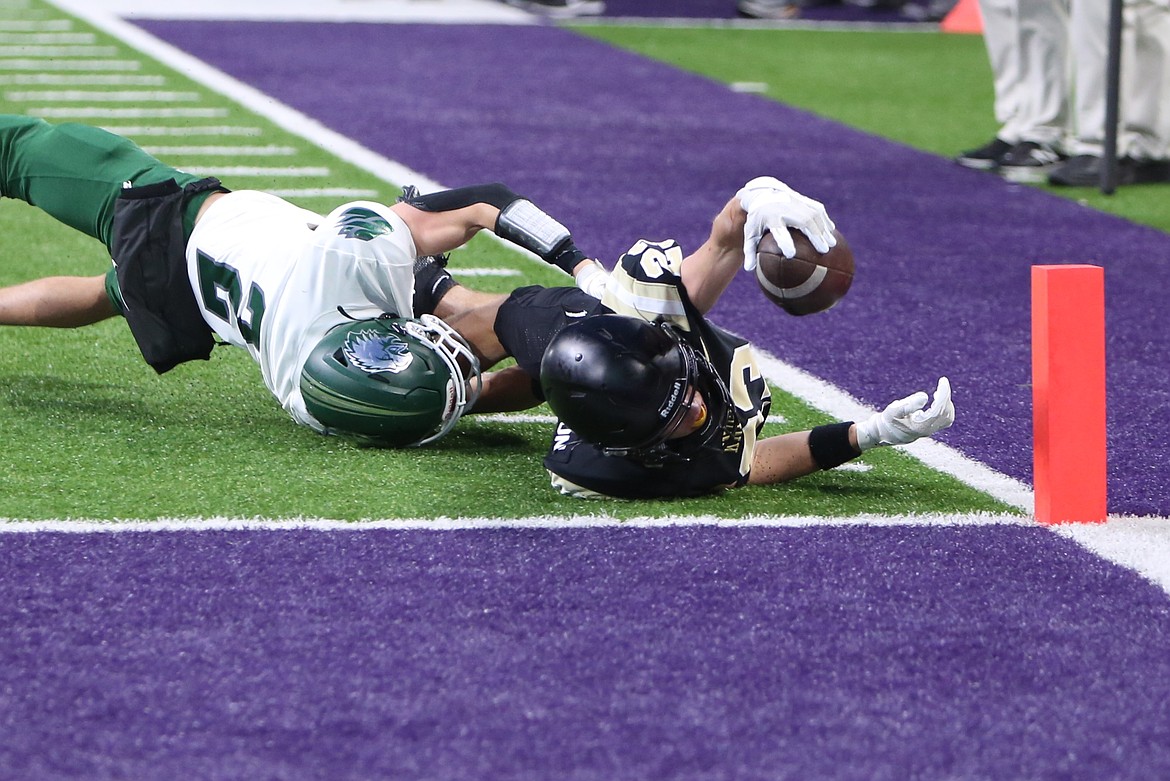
[(808, 283)]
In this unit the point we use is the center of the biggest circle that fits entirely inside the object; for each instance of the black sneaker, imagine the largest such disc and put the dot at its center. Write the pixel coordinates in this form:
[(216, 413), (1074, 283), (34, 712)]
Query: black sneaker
[(986, 157), (1085, 171), (1029, 162)]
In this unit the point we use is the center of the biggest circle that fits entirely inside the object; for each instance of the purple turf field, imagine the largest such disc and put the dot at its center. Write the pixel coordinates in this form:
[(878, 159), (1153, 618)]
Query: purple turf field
[(589, 654)]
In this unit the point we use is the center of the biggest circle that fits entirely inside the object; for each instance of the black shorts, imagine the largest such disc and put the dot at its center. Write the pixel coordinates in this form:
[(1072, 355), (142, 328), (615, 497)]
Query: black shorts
[(531, 316)]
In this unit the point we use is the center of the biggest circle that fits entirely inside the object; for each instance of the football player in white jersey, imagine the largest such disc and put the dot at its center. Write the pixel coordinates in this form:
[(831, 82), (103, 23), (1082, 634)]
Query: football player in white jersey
[(324, 304)]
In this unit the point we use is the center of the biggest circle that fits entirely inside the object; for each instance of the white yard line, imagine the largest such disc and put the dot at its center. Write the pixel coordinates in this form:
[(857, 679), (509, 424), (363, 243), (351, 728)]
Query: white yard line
[(95, 96), (184, 130), (25, 64), (600, 520), (266, 150)]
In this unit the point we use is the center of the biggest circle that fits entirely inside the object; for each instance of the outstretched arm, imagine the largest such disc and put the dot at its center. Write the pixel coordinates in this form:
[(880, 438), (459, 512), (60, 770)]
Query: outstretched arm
[(765, 204), (789, 456), (56, 302)]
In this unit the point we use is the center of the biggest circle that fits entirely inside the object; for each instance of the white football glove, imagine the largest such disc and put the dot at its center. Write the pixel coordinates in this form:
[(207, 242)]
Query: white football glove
[(907, 419), (773, 206)]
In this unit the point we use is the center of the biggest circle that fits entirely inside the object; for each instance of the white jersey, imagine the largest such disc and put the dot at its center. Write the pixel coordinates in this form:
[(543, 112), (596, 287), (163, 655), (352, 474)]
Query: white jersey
[(270, 277)]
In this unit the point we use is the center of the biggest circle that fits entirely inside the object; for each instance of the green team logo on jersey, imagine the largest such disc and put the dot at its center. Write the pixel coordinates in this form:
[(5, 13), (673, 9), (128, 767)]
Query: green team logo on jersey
[(362, 223)]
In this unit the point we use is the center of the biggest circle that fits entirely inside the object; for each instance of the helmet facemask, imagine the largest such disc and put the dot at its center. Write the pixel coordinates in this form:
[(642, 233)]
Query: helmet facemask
[(463, 388)]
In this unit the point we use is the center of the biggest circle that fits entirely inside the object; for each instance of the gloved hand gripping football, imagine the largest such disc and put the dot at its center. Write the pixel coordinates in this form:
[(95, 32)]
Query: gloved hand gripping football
[(908, 419), (773, 206)]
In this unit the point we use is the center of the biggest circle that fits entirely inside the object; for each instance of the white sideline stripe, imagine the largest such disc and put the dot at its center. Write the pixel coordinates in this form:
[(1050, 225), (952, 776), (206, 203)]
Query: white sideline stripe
[(92, 96), (183, 130), (1121, 548), (600, 520), (86, 112), (331, 192), (268, 150), (86, 80), (248, 170), (70, 65)]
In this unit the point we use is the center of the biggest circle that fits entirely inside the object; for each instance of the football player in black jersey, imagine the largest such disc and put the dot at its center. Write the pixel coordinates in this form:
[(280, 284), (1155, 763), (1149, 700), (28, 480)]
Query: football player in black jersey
[(652, 399)]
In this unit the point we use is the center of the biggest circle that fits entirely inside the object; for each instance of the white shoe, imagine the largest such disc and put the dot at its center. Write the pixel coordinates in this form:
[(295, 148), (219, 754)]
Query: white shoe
[(560, 9), (769, 9)]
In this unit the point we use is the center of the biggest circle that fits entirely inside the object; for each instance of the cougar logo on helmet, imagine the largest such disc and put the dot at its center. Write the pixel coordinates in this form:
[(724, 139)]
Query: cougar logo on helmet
[(377, 351)]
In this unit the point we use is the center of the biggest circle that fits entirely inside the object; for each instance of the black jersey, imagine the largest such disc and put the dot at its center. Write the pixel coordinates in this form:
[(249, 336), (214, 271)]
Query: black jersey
[(646, 284)]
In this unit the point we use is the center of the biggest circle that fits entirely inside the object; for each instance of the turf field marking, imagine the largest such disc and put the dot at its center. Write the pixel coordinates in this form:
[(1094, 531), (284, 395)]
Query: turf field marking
[(248, 170), (25, 38), (593, 521), (33, 50), (82, 80), (19, 25), (69, 65), (331, 192), (1139, 543), (402, 11), (185, 130), (268, 150), (91, 96), (488, 272), (88, 112)]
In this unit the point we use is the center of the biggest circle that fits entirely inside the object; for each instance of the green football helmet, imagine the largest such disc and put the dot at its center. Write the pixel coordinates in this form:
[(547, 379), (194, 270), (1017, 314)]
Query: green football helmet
[(393, 381)]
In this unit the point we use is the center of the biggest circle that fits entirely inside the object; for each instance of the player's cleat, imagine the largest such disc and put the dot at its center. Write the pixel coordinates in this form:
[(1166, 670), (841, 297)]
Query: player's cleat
[(1029, 162), (560, 9), (1085, 171), (986, 157)]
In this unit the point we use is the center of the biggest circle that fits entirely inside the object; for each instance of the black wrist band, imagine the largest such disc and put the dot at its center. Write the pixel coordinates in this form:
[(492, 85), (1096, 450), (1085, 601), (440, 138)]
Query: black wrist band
[(830, 445), (566, 257)]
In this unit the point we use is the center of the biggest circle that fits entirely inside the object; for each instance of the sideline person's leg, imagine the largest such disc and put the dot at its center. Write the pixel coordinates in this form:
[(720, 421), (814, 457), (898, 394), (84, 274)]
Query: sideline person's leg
[(74, 172)]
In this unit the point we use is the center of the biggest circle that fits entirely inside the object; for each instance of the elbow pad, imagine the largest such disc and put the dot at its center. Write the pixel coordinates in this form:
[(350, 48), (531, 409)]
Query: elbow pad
[(520, 221)]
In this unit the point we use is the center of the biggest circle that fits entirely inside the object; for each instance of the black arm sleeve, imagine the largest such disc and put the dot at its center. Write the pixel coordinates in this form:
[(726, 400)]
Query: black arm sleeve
[(524, 224)]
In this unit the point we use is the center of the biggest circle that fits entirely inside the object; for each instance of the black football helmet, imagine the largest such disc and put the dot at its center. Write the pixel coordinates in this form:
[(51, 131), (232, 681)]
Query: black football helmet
[(624, 384), (392, 381)]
